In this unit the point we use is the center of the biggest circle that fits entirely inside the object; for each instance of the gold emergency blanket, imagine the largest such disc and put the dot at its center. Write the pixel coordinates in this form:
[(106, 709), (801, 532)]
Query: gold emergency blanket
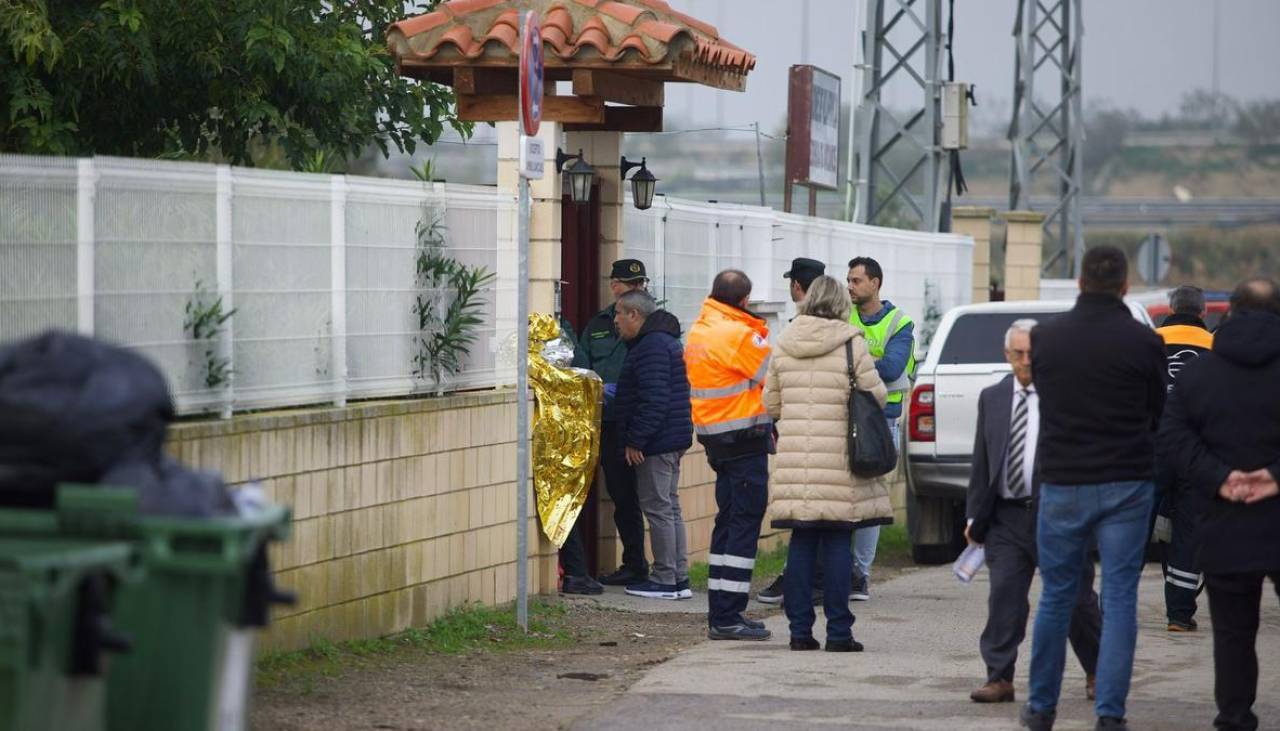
[(566, 432)]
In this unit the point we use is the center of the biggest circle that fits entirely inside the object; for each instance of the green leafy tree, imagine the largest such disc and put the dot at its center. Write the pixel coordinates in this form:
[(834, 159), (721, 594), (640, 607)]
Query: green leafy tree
[(238, 80)]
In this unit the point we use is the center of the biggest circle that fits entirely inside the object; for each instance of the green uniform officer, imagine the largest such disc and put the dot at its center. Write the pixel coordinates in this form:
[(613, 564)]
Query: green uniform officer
[(601, 349)]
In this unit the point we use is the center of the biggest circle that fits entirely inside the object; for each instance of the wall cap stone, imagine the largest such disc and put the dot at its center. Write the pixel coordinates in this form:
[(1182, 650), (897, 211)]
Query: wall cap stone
[(1022, 216), (292, 418), (973, 212)]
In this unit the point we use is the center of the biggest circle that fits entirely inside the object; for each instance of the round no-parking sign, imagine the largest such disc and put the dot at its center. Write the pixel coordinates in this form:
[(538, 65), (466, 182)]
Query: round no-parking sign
[(531, 75)]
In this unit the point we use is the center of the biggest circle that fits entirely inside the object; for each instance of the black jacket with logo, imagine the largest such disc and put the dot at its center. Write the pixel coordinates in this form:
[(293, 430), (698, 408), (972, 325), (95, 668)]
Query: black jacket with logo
[(1223, 416), (1186, 338)]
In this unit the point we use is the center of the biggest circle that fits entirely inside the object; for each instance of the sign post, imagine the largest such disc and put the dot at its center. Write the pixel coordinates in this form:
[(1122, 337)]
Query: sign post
[(1154, 259), (813, 133), (531, 167)]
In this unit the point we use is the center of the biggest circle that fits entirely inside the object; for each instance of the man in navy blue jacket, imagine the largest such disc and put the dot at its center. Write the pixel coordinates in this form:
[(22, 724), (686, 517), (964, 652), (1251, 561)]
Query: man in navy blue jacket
[(652, 404)]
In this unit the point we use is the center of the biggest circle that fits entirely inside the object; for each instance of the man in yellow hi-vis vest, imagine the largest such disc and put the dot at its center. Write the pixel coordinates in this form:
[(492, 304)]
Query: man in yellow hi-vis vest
[(890, 336)]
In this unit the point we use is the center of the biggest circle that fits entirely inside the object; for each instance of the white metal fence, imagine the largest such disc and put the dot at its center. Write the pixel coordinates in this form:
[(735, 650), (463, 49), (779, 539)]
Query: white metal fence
[(685, 243), (320, 269)]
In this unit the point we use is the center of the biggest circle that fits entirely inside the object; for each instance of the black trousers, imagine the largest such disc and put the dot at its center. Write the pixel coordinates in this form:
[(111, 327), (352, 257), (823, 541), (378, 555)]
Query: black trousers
[(1235, 602), (742, 496), (1182, 579), (1011, 561), (573, 554), (620, 482)]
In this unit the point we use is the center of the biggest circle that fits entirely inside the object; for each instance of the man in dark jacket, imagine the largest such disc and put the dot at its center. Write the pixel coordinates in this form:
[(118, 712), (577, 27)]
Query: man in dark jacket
[(1186, 338), (1221, 432), (1101, 380), (602, 350), (657, 428)]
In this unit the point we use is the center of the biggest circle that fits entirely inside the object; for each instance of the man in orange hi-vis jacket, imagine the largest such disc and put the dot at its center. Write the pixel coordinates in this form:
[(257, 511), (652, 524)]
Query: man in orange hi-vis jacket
[(727, 357)]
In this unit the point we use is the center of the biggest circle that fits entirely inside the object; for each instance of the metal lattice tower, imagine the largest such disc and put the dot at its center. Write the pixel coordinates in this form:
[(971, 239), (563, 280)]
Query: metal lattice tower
[(1047, 129), (900, 160)]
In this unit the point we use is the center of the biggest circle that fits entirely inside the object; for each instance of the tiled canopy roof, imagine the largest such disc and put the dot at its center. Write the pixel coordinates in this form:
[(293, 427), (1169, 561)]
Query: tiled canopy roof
[(646, 37)]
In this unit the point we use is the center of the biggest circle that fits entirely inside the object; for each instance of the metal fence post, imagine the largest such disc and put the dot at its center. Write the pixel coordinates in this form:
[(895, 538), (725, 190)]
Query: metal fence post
[(338, 287), (226, 339), (86, 184)]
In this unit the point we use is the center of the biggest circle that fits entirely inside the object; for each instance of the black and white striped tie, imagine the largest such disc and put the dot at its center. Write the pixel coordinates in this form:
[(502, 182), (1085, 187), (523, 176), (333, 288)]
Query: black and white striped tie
[(1017, 448)]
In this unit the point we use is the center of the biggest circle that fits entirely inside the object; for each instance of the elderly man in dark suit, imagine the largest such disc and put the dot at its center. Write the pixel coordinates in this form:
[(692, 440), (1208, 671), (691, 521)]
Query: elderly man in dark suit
[(1002, 503)]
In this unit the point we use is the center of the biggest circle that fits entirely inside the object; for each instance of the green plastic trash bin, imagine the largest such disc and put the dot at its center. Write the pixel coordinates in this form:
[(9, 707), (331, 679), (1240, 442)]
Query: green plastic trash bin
[(193, 617), (55, 626)]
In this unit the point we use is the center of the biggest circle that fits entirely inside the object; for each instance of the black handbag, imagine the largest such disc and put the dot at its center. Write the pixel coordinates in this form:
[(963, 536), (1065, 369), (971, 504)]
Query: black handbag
[(872, 452)]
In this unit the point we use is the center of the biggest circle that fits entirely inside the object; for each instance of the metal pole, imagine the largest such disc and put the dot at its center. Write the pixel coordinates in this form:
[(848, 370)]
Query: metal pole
[(1075, 134), (1217, 20), (932, 114), (759, 164), (804, 32), (855, 100), (522, 411)]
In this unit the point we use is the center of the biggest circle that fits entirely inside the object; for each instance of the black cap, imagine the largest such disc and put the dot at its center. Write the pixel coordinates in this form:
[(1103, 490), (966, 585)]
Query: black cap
[(628, 270), (805, 271)]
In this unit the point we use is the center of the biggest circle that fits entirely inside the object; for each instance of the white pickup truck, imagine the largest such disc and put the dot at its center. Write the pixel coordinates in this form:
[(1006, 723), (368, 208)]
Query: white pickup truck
[(966, 356)]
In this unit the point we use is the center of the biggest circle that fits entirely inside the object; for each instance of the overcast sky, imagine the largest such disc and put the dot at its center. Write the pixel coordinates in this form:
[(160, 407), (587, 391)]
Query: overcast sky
[(1142, 54)]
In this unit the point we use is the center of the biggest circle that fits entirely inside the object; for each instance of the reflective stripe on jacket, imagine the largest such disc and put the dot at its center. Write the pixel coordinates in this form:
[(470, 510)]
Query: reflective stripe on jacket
[(727, 358)]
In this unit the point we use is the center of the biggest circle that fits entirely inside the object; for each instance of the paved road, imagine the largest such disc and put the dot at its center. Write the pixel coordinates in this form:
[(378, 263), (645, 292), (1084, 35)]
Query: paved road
[(921, 632)]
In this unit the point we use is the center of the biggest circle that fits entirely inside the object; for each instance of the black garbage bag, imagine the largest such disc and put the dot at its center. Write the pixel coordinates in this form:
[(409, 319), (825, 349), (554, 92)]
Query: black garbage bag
[(74, 409)]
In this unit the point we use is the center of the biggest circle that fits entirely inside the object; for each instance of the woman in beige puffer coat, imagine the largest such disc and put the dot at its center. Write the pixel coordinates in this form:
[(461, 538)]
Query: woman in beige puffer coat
[(812, 491)]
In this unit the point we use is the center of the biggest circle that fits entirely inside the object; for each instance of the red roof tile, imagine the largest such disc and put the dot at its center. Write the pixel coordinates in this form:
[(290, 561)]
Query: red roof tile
[(646, 32)]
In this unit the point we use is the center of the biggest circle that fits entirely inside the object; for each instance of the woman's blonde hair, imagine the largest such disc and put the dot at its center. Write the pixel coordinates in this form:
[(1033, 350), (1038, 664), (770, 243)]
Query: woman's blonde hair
[(828, 299)]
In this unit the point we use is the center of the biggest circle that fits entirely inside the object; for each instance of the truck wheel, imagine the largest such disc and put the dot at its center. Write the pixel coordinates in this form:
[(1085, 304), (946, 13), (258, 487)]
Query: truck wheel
[(932, 554), (936, 529)]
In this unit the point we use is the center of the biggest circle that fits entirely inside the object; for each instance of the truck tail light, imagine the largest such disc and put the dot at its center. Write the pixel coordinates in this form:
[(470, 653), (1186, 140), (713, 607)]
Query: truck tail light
[(923, 427)]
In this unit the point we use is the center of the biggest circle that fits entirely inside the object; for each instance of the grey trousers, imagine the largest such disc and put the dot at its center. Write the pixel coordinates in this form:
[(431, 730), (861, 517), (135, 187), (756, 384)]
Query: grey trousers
[(656, 480), (1011, 560)]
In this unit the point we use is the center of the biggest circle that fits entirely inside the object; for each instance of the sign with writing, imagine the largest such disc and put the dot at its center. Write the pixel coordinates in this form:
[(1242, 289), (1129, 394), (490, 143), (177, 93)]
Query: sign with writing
[(813, 136), (532, 159)]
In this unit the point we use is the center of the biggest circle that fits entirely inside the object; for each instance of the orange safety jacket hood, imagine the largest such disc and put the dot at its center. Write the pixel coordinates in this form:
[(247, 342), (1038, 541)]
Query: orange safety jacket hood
[(727, 358)]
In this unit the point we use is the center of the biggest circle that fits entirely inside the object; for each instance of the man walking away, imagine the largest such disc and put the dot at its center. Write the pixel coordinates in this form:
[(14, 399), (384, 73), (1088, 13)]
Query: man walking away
[(1186, 338), (891, 339), (653, 409), (1101, 380), (802, 273), (1004, 487), (1228, 449), (601, 349), (727, 357)]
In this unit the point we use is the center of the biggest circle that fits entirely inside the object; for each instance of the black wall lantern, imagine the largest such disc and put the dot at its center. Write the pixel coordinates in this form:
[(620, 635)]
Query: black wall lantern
[(643, 184), (581, 175)]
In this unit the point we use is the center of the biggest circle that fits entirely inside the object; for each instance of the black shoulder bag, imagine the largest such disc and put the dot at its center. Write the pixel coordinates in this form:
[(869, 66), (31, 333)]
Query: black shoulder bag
[(872, 452)]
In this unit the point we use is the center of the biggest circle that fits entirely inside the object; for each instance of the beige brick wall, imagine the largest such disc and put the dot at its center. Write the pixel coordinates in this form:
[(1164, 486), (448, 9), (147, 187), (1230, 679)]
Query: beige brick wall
[(402, 510)]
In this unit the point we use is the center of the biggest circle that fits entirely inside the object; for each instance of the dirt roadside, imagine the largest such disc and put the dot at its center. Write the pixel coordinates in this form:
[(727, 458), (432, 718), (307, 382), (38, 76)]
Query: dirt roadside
[(602, 652)]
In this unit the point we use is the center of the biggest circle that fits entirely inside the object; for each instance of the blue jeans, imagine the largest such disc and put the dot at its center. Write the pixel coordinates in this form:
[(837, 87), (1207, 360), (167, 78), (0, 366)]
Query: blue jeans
[(797, 581), (1117, 515), (865, 540)]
